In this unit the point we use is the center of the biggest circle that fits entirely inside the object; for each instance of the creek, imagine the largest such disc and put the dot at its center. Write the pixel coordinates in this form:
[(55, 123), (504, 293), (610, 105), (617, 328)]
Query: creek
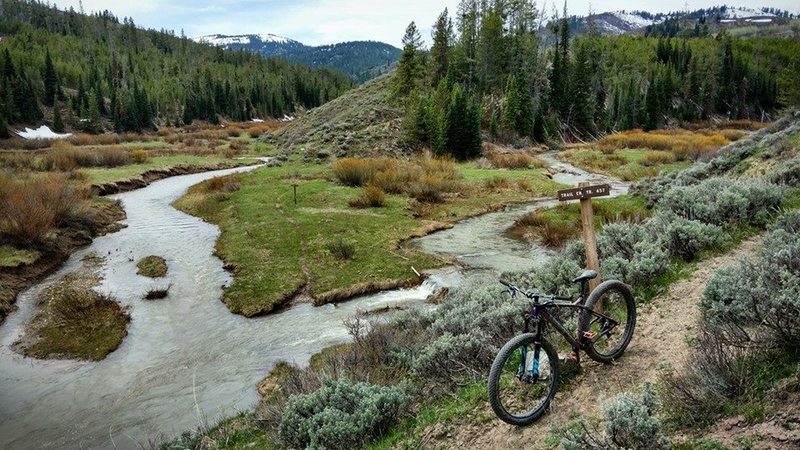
[(187, 361)]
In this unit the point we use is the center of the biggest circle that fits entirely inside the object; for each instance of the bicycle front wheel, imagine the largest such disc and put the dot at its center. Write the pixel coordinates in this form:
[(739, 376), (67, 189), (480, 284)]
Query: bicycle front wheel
[(523, 379)]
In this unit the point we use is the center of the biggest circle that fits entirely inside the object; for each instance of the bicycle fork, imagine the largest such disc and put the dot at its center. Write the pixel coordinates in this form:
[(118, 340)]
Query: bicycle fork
[(529, 365)]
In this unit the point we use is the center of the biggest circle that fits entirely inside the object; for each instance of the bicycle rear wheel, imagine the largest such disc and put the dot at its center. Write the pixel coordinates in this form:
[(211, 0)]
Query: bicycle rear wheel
[(608, 321), (523, 379)]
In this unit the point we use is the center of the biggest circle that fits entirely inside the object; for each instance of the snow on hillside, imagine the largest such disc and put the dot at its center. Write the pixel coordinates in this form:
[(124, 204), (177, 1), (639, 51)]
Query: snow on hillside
[(634, 21), (742, 12), (241, 39), (43, 132)]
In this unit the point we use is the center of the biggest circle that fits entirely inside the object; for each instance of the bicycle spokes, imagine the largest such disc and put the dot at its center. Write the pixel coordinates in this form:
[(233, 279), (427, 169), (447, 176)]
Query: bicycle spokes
[(607, 326), (525, 379)]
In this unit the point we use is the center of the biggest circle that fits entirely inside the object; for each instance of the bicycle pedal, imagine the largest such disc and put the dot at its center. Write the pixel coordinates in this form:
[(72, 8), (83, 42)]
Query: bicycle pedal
[(589, 334)]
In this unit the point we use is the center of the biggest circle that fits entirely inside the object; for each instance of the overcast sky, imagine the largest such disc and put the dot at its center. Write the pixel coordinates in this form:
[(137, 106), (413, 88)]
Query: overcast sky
[(316, 22)]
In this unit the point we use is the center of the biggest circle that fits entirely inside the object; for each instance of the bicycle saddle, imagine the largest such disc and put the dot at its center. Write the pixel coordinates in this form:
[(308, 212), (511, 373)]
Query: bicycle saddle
[(586, 275)]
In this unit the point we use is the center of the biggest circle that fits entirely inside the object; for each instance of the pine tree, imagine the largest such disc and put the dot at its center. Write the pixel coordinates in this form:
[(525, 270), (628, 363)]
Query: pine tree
[(511, 111), (58, 123), (440, 50), (462, 125), (100, 100), (50, 79), (491, 49), (582, 93), (94, 125), (409, 66), (493, 127), (4, 133)]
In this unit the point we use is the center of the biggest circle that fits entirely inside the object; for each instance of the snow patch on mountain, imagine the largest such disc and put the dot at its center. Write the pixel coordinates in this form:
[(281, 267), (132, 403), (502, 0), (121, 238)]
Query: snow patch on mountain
[(634, 21), (242, 39), (742, 12)]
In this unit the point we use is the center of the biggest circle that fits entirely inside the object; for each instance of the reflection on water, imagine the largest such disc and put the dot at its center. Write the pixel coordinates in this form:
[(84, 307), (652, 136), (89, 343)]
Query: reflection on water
[(187, 360)]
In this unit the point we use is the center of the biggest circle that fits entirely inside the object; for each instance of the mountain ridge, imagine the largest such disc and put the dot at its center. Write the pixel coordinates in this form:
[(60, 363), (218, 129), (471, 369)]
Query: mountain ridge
[(361, 60)]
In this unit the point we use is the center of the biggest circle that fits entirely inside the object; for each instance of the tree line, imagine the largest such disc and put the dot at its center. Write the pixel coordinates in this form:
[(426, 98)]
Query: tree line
[(487, 71), (94, 72)]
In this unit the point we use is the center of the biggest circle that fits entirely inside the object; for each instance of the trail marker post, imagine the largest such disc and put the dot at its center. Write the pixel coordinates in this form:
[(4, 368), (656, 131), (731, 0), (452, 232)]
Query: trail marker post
[(294, 187), (584, 192)]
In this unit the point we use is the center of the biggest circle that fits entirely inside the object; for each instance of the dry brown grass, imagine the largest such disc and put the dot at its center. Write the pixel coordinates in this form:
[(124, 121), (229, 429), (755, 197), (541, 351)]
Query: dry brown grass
[(514, 161), (745, 124), (65, 157), (31, 207), (551, 233), (497, 183), (228, 183), (685, 145), (657, 157), (372, 197), (424, 179)]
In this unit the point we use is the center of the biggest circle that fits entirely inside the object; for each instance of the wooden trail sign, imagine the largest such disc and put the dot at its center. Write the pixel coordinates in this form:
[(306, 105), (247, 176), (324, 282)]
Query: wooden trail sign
[(584, 192)]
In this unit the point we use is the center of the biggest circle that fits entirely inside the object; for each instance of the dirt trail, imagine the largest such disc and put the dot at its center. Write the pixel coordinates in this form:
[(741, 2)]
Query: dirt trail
[(660, 342)]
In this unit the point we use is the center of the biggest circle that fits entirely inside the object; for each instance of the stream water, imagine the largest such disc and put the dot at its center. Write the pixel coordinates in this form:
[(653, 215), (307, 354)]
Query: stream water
[(187, 361)]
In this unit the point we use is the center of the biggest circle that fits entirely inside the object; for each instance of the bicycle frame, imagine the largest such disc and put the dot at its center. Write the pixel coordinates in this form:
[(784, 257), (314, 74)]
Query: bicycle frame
[(539, 313)]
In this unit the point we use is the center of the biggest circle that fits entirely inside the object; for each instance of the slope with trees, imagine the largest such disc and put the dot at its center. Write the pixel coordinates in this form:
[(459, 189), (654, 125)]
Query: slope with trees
[(104, 74), (579, 88)]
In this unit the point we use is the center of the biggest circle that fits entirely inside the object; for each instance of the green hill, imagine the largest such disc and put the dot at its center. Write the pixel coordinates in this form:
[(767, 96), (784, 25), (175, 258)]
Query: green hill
[(363, 121)]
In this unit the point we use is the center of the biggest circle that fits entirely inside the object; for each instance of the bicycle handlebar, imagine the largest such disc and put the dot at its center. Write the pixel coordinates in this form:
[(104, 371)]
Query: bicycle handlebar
[(532, 294)]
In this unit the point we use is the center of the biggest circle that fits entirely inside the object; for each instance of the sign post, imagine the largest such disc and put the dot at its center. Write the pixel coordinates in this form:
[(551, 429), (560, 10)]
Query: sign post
[(584, 192)]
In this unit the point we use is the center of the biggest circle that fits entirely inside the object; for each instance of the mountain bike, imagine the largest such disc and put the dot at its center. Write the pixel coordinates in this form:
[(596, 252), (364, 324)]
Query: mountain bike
[(524, 376)]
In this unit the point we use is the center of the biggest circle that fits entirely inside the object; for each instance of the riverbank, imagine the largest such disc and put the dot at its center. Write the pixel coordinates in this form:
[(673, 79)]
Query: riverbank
[(299, 244), (106, 215)]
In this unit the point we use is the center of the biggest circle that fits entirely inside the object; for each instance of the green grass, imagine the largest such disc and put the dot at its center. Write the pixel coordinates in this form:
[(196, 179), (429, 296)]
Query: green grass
[(559, 224), (76, 322), (235, 433), (110, 175), (13, 257), (628, 165), (152, 266), (278, 246), (407, 433)]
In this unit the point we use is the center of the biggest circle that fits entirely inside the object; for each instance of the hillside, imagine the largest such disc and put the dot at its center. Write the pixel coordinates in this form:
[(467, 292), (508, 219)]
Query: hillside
[(361, 60), (99, 73), (363, 121), (709, 20)]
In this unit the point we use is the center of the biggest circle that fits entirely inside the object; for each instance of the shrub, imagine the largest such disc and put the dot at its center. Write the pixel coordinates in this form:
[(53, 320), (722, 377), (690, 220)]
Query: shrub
[(372, 197), (656, 157), (227, 183), (342, 249), (554, 276), (723, 201), (449, 357), (683, 144), (629, 422), (649, 261), (683, 237), (715, 372), (514, 161), (340, 415), (32, 207), (787, 174), (140, 156), (429, 189), (497, 183), (763, 296)]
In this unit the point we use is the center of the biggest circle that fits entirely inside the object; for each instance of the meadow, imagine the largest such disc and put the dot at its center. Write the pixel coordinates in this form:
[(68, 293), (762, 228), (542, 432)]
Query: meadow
[(634, 155), (344, 236)]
